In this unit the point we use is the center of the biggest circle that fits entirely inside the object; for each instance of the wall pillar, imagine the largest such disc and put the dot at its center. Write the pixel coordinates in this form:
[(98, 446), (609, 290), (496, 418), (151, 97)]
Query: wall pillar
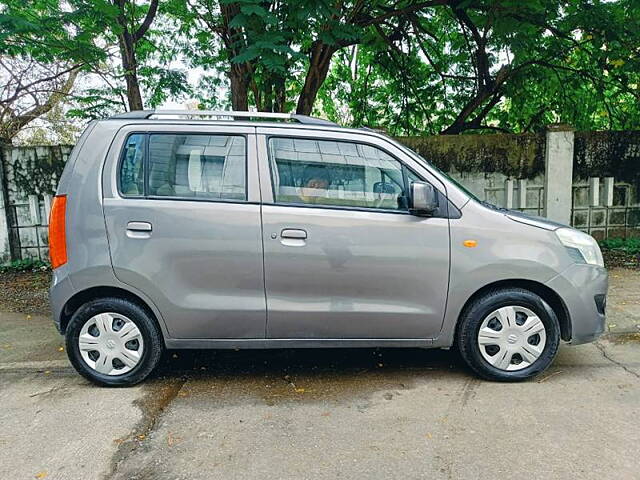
[(558, 173), (508, 193)]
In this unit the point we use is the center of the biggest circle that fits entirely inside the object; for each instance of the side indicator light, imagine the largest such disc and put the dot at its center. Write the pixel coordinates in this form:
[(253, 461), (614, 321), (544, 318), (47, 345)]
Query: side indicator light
[(57, 231), (470, 243)]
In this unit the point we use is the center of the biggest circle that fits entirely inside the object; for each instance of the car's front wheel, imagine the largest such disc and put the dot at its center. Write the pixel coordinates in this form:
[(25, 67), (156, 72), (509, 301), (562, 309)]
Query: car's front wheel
[(508, 335), (113, 342)]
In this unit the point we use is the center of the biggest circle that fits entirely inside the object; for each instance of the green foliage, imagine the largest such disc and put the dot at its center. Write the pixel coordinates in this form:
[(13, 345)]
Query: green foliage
[(25, 265), (46, 30), (628, 245), (407, 66), (531, 64), (86, 33)]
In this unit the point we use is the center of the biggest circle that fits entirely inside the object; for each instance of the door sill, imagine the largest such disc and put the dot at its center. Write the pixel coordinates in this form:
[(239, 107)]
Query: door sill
[(261, 343)]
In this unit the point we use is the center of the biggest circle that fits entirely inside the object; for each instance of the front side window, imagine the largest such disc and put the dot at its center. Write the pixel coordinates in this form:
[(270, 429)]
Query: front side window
[(197, 166), (335, 173), (131, 182)]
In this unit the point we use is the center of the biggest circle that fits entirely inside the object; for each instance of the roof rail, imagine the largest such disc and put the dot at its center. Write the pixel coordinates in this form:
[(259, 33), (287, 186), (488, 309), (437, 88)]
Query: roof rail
[(225, 115)]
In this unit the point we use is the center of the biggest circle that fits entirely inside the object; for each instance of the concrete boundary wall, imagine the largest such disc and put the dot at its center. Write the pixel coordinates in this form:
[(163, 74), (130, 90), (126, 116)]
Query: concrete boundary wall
[(588, 179), (29, 177)]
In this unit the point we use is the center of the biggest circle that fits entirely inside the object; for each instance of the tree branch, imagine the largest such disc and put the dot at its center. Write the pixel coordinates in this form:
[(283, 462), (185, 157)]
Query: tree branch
[(20, 121), (399, 12), (148, 20)]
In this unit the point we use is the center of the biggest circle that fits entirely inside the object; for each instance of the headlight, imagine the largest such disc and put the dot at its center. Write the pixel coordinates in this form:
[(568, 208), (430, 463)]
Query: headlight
[(582, 246)]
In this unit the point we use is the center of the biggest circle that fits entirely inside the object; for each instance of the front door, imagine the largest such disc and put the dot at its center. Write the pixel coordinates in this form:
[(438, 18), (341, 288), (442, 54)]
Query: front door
[(183, 231), (343, 257)]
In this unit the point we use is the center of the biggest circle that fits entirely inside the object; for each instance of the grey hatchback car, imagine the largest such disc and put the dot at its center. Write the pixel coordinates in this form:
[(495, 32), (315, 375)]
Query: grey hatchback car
[(176, 229)]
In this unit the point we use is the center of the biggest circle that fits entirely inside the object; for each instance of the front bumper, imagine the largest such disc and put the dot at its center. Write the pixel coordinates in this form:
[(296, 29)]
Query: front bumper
[(583, 288)]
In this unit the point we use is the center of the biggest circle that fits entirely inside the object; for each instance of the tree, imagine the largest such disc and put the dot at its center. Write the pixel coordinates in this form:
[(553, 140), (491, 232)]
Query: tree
[(95, 35), (444, 66), (29, 89), (52, 128), (277, 50), (130, 34), (494, 65), (411, 66), (251, 41)]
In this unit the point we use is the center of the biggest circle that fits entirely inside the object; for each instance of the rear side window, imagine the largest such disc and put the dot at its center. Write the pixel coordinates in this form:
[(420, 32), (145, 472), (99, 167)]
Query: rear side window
[(131, 182), (336, 173), (185, 166), (201, 166)]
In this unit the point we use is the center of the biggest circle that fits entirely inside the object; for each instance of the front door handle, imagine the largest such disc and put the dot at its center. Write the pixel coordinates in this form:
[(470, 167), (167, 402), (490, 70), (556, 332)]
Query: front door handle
[(293, 233), (139, 229), (139, 226), (293, 237)]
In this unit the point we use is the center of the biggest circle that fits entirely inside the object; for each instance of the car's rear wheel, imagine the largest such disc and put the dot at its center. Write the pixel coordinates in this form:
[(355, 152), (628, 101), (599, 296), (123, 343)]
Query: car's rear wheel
[(113, 342), (508, 335)]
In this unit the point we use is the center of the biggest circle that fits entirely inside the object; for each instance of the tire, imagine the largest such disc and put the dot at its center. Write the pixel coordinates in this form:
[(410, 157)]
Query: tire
[(118, 344), (517, 308)]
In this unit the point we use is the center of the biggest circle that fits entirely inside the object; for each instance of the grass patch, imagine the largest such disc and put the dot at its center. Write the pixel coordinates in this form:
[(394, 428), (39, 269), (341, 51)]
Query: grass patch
[(621, 252), (628, 245), (25, 265)]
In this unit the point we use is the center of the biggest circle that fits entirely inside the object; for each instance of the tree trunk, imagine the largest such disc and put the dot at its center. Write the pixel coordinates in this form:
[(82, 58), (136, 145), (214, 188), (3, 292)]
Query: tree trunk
[(319, 64), (127, 40), (280, 94), (134, 96), (267, 90), (239, 82), (129, 64)]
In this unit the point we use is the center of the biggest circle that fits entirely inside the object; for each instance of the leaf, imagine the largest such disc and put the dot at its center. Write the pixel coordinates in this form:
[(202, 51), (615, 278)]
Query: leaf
[(254, 10), (246, 56)]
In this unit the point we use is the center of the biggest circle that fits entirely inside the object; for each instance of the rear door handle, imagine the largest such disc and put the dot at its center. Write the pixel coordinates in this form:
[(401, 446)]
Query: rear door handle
[(139, 226), (293, 233), (139, 229)]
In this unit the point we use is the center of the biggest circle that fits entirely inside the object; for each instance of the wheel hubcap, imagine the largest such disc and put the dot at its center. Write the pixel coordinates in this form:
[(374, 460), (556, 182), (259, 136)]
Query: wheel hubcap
[(110, 344), (511, 338)]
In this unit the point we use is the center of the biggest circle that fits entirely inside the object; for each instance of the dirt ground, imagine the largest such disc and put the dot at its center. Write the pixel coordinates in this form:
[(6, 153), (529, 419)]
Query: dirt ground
[(25, 292), (620, 259)]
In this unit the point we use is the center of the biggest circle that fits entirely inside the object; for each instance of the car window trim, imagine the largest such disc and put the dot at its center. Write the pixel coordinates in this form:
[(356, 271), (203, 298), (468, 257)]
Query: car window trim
[(403, 166), (121, 156), (146, 161)]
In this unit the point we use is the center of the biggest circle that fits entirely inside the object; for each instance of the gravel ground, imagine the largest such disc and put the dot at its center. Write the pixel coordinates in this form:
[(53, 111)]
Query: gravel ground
[(25, 292), (619, 258)]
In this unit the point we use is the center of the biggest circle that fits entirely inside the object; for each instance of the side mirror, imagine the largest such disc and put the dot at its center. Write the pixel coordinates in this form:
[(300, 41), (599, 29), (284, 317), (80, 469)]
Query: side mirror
[(424, 199)]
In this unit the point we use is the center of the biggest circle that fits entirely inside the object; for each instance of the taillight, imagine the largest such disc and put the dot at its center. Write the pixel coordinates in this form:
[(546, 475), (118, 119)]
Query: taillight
[(57, 231)]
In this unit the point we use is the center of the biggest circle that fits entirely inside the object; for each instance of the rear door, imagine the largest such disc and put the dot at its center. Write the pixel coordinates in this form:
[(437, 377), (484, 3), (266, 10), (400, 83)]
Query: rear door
[(183, 218), (343, 257)]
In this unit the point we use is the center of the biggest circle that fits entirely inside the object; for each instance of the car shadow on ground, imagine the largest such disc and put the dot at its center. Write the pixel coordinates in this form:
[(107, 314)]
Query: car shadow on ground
[(305, 374)]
